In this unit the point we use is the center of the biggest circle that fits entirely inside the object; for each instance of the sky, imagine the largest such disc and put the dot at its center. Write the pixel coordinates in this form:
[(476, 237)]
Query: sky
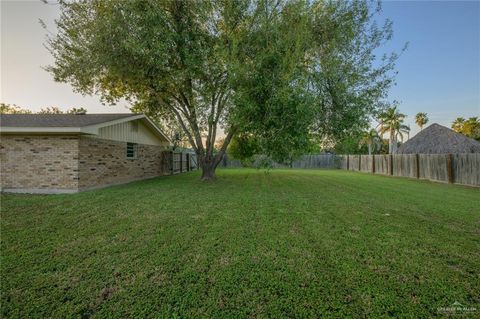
[(439, 73)]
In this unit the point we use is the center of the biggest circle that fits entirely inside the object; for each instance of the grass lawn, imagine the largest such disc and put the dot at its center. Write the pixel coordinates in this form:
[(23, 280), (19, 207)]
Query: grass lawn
[(284, 243)]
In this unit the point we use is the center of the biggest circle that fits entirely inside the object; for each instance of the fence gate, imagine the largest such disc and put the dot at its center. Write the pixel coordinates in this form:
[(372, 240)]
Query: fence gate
[(178, 162), (193, 161)]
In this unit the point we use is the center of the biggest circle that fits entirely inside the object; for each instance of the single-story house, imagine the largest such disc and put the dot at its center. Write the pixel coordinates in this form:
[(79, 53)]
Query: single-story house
[(438, 139), (67, 153)]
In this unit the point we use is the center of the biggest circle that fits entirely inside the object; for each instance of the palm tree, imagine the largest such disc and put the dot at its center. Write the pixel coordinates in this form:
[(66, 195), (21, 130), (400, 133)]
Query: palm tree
[(391, 122), (457, 125), (371, 139), (471, 127), (402, 129), (421, 119)]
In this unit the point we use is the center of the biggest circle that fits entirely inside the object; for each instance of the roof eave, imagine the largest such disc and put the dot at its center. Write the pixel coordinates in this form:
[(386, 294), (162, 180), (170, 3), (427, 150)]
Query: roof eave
[(45, 130), (89, 129)]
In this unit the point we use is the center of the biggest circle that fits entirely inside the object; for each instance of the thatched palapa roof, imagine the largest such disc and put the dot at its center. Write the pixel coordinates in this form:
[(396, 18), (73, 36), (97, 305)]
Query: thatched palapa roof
[(438, 139)]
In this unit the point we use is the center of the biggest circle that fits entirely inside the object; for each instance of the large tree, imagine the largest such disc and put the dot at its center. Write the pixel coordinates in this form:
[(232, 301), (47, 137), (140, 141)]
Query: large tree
[(281, 71)]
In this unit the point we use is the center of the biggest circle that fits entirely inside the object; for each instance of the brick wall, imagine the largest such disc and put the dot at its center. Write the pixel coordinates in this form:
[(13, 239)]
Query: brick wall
[(104, 162), (50, 164), (37, 163)]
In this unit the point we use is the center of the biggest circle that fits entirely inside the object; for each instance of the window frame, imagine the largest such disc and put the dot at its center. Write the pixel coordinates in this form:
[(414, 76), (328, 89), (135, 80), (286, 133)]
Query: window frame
[(132, 150)]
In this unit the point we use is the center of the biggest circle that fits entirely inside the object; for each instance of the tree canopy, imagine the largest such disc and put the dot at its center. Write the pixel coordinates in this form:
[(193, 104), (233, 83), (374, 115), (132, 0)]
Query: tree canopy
[(371, 139), (282, 71), (421, 119), (391, 121), (243, 147), (469, 127)]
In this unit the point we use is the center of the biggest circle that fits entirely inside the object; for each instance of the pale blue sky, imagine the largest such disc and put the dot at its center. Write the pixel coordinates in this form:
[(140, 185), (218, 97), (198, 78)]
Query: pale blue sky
[(438, 74)]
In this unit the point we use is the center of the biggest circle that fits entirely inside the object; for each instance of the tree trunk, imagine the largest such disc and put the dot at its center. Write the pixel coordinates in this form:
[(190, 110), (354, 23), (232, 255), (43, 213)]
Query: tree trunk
[(394, 146), (209, 162), (208, 173), (208, 166), (390, 146)]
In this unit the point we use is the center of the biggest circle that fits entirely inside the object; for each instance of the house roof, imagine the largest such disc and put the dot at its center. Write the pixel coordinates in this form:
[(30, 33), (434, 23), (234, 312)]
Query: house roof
[(58, 120), (438, 139), (69, 123)]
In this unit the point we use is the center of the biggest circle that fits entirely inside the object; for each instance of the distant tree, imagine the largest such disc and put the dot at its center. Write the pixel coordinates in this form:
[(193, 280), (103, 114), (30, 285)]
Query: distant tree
[(12, 109), (317, 148), (350, 145), (371, 139), (75, 110), (391, 122), (469, 127), (457, 124), (57, 110), (50, 110), (421, 119), (384, 146)]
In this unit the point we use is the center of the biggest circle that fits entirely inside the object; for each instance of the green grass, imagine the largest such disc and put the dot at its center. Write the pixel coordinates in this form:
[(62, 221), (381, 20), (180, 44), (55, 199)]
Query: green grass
[(287, 243)]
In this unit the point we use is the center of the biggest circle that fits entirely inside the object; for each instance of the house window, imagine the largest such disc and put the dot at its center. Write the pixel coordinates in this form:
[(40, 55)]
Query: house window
[(131, 150)]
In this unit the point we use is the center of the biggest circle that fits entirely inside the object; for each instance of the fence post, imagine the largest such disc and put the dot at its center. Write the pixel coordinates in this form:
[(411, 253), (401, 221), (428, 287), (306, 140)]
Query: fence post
[(373, 164), (359, 163), (391, 164), (417, 159), (450, 167), (172, 162), (348, 162), (188, 162), (181, 162)]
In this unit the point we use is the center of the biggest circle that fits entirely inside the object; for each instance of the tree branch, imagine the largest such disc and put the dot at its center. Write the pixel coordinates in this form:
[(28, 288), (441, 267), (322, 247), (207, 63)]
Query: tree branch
[(227, 140), (185, 128)]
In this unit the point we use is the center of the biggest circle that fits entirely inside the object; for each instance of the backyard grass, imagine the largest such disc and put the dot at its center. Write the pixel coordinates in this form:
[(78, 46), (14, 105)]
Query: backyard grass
[(284, 243)]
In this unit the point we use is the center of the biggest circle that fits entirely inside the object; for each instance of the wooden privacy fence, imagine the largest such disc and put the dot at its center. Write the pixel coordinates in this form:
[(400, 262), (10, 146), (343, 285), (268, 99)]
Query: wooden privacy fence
[(178, 162), (305, 161), (316, 161), (450, 168)]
